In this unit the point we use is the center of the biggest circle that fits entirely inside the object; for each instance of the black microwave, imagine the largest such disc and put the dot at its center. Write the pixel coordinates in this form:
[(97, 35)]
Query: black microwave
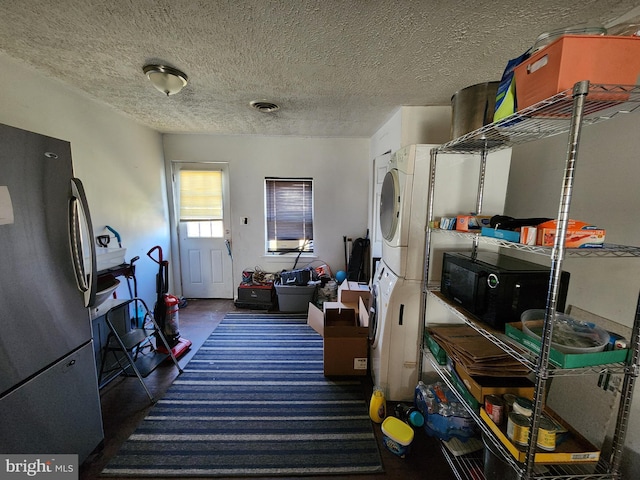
[(497, 288)]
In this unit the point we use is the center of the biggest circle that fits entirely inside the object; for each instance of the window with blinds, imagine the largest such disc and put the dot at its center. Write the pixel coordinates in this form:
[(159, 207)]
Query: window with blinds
[(201, 203), (289, 214)]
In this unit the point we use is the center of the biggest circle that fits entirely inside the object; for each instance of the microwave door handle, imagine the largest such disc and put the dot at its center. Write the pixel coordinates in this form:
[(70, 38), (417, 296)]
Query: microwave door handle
[(86, 280), (481, 292)]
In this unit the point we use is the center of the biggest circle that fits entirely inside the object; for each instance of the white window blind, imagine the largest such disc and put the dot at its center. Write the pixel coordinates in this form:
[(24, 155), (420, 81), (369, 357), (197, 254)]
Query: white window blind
[(289, 214), (200, 195)]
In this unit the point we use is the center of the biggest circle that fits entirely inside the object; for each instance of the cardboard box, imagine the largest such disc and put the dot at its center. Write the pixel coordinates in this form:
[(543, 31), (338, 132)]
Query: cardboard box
[(579, 235), (345, 330), (478, 355), (565, 360), (573, 58), (480, 386), (447, 223), (509, 235), (575, 449), (351, 292), (528, 235), (464, 223), (461, 389), (438, 352), (108, 258)]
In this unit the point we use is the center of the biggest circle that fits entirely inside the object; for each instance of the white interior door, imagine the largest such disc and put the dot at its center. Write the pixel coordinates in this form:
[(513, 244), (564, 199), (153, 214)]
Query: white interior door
[(204, 230)]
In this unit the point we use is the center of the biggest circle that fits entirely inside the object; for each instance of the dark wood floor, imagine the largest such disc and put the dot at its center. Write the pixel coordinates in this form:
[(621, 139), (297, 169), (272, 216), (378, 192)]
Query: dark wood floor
[(125, 404)]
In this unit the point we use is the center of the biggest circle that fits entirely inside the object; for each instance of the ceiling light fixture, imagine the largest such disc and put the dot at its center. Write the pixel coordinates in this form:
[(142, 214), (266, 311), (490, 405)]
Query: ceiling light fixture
[(264, 106), (168, 80)]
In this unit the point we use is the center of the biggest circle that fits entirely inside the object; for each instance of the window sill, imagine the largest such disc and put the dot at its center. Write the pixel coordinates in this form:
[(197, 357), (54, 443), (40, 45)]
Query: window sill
[(286, 257)]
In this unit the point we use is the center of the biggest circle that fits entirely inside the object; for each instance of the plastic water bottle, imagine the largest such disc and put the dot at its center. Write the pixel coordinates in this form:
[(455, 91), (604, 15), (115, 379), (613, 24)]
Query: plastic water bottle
[(409, 414), (378, 405), (425, 400)]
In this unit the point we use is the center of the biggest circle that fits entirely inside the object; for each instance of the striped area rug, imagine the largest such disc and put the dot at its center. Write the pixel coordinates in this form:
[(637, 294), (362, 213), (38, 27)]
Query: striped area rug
[(253, 401)]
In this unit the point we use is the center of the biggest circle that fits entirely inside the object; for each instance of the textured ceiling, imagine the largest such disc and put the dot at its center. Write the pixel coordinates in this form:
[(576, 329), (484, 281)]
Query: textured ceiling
[(335, 67)]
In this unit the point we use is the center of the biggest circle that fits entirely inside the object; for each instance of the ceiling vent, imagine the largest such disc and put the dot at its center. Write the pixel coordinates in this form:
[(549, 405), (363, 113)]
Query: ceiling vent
[(266, 107)]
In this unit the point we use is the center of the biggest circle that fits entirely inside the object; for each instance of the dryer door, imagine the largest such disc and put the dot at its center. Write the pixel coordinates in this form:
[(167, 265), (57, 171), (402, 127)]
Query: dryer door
[(390, 205), (374, 315)]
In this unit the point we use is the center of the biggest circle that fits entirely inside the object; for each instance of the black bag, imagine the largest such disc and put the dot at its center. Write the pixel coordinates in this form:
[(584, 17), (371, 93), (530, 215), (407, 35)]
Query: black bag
[(299, 277), (355, 270)]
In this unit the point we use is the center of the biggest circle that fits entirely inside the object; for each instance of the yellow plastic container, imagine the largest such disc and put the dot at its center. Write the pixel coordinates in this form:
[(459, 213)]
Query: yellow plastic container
[(377, 405), (397, 436)]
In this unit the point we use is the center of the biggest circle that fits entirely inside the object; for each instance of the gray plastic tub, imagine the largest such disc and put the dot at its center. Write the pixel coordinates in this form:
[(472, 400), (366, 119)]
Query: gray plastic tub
[(294, 298)]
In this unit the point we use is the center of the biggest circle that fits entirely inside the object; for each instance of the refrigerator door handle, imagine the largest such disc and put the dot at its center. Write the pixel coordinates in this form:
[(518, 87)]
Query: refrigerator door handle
[(79, 239)]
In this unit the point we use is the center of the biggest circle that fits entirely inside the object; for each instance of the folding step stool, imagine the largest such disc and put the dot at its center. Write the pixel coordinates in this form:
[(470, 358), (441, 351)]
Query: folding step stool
[(129, 347)]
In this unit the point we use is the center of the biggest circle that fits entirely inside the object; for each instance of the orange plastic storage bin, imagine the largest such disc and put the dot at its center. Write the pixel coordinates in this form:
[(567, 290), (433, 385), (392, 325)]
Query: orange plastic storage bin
[(573, 58)]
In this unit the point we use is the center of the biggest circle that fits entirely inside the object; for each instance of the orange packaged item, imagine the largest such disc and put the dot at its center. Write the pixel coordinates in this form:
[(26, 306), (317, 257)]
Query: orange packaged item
[(464, 223), (579, 235), (528, 235), (600, 59)]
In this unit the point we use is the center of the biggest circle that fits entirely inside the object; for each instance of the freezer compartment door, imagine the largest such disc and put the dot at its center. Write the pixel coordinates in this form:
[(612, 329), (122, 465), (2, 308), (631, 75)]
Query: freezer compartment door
[(56, 412)]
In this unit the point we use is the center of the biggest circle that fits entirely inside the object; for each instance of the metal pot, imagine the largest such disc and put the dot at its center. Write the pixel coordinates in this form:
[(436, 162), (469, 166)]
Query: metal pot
[(495, 466), (472, 108)]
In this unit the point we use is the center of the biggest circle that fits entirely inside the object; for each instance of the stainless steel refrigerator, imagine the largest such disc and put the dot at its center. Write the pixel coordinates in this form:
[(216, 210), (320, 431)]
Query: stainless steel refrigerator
[(49, 398)]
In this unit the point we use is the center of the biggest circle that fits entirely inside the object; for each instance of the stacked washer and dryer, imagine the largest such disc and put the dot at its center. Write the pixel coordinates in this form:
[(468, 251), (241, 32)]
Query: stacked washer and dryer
[(394, 322)]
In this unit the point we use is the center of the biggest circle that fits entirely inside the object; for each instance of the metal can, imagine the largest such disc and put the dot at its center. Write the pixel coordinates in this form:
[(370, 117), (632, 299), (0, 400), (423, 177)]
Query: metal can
[(518, 428), (523, 406), (620, 343), (546, 435), (508, 398), (494, 406)]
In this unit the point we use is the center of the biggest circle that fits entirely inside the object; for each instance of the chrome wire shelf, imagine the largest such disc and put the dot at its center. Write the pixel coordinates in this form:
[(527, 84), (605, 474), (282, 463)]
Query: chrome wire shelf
[(566, 112), (526, 357), (465, 467), (470, 466), (546, 119), (446, 378), (607, 250)]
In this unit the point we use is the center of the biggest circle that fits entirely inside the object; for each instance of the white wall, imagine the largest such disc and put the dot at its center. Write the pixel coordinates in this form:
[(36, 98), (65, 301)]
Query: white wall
[(605, 194), (338, 167), (409, 125), (119, 162)]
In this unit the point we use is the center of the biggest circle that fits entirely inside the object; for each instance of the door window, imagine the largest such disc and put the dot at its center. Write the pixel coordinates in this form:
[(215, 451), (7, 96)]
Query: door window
[(201, 203)]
